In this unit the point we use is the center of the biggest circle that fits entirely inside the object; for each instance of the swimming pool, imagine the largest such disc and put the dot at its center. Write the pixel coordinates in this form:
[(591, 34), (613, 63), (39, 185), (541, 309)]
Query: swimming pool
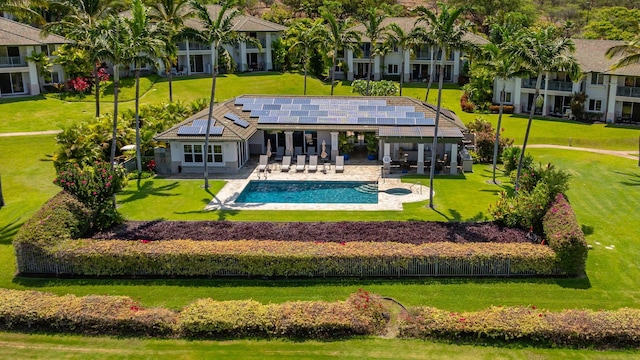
[(306, 192)]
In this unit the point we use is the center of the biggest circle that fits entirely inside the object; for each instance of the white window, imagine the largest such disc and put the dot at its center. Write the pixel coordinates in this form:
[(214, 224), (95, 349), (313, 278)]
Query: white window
[(597, 78), (192, 153), (216, 155), (595, 105), (507, 97), (392, 69)]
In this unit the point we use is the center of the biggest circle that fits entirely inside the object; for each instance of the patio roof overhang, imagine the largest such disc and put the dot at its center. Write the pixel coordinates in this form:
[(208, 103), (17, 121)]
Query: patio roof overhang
[(419, 134)]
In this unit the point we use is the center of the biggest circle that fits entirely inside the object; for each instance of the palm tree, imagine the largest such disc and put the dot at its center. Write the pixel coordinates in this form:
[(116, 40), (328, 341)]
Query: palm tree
[(629, 52), (217, 31), (444, 31), (339, 37), (78, 25), (147, 44), (43, 66), (541, 51), (172, 14), (306, 35), (373, 30), (1, 195), (405, 41)]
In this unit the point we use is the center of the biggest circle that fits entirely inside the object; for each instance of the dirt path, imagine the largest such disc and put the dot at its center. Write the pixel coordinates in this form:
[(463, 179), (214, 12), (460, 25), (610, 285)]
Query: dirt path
[(625, 154)]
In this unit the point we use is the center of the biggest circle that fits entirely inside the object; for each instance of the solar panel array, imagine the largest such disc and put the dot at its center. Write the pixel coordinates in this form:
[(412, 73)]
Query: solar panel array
[(199, 127), (325, 111), (236, 120)]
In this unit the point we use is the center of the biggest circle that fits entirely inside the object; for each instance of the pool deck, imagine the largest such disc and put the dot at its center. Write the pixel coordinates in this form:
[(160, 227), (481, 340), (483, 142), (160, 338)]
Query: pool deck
[(354, 171)]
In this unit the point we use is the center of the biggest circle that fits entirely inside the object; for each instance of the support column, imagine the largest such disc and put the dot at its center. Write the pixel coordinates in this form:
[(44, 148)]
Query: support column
[(420, 159), (454, 160), (34, 85), (545, 110), (288, 142), (611, 99), (517, 93), (349, 62), (407, 65), (334, 145), (456, 66), (377, 75), (186, 44), (243, 57), (267, 61)]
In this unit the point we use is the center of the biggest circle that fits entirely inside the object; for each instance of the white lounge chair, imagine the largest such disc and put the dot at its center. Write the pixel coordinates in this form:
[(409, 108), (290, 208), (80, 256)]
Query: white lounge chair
[(313, 163), (339, 163), (286, 163), (300, 162), (264, 162)]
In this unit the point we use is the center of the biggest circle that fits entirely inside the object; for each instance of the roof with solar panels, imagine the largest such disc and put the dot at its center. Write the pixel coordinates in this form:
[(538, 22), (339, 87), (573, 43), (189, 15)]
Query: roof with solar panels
[(394, 117)]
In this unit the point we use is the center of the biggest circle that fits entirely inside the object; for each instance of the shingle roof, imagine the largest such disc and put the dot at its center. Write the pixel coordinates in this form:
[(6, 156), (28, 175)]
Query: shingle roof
[(450, 124), (591, 56), (243, 23), (408, 23), (15, 33)]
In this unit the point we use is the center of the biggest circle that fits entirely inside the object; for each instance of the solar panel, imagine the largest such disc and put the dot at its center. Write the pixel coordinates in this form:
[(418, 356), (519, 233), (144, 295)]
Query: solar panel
[(279, 113), (366, 121), (290, 106), (243, 101), (268, 120), (299, 113), (309, 107), (385, 108), (189, 130), (301, 101), (251, 107), (216, 130), (385, 121), (236, 120), (202, 122), (405, 121), (415, 115), (308, 120), (425, 121), (271, 107), (318, 113), (367, 108), (258, 113), (287, 120), (283, 101), (264, 100)]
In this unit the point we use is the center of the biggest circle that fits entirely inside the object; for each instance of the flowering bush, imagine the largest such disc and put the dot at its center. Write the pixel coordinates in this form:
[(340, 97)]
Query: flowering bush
[(150, 165), (103, 75), (79, 84), (565, 236), (485, 140)]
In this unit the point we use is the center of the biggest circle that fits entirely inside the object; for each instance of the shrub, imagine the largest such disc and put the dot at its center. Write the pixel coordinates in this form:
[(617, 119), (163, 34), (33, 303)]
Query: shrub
[(376, 88), (556, 179), (506, 109), (466, 104), (485, 140), (511, 156), (524, 211), (565, 236), (62, 217), (578, 328)]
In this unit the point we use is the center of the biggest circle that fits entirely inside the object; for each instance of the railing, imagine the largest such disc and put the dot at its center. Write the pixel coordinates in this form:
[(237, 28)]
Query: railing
[(560, 85), (629, 91), (423, 55), (529, 83), (263, 43), (13, 61), (194, 46)]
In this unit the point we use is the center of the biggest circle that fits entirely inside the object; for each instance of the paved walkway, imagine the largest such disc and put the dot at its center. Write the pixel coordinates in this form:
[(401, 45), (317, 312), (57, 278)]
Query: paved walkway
[(31, 133), (625, 154)]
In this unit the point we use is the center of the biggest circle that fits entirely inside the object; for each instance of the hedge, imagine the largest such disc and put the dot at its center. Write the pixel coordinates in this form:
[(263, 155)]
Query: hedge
[(286, 258), (361, 314), (506, 109), (577, 328), (565, 236)]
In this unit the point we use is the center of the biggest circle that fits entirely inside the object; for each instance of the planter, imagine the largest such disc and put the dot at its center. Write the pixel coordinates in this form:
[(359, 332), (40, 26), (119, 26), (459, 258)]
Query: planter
[(346, 156), (372, 156)]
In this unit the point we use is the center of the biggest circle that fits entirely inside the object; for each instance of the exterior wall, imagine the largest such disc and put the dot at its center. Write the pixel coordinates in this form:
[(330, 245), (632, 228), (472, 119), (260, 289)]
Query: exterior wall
[(19, 65), (174, 159)]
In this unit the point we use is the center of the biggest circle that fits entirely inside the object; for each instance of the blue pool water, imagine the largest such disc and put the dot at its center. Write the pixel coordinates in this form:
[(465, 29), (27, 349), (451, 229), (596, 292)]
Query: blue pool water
[(309, 192)]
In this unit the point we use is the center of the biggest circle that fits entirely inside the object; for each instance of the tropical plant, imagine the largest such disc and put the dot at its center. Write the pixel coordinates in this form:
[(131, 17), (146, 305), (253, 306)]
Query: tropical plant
[(218, 31), (377, 88), (146, 47), (542, 50), (374, 31), (629, 53), (43, 66), (445, 31), (171, 15), (306, 35), (339, 37)]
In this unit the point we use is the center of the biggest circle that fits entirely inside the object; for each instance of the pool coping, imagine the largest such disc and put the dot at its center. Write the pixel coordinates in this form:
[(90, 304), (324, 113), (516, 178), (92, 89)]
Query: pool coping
[(225, 198)]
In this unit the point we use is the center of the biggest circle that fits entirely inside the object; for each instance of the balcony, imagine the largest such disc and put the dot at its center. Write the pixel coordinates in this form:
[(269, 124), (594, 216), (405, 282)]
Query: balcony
[(423, 55), (194, 46), (560, 85), (628, 91), (529, 83), (263, 43), (13, 61)]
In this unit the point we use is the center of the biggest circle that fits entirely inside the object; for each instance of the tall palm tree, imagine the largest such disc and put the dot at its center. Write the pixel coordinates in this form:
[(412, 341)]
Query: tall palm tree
[(445, 31), (541, 51), (504, 66), (629, 52), (217, 31), (406, 41), (78, 25), (146, 47), (172, 14), (306, 35), (339, 37), (373, 30)]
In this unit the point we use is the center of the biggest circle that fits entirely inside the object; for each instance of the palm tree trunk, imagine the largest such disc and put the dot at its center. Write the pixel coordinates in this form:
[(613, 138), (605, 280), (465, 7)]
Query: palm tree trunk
[(333, 70), (97, 83), (426, 97), (1, 195), (434, 145), (306, 61), (137, 106), (526, 134), (497, 143), (114, 142), (214, 73), (369, 74), (170, 76)]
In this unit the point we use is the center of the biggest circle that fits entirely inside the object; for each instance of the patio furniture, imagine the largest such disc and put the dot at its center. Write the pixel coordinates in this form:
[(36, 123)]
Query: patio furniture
[(339, 163), (280, 154), (264, 162), (313, 163), (300, 162), (286, 163)]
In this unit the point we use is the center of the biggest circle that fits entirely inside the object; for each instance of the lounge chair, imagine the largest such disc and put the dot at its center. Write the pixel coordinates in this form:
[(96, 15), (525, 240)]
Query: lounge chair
[(339, 163), (264, 162), (313, 163), (300, 162), (279, 153), (286, 163)]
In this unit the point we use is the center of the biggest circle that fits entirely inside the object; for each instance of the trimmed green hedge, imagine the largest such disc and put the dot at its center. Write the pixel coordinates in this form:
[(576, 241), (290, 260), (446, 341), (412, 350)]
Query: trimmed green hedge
[(578, 328), (565, 236), (361, 314)]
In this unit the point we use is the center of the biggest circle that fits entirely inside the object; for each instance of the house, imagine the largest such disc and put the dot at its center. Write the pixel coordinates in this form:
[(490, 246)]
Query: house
[(18, 41), (243, 126), (424, 62), (195, 58), (612, 95)]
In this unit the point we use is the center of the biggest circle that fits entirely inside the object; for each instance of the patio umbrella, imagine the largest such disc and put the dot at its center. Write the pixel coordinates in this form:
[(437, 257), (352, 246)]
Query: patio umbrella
[(268, 148), (323, 154), (289, 141)]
